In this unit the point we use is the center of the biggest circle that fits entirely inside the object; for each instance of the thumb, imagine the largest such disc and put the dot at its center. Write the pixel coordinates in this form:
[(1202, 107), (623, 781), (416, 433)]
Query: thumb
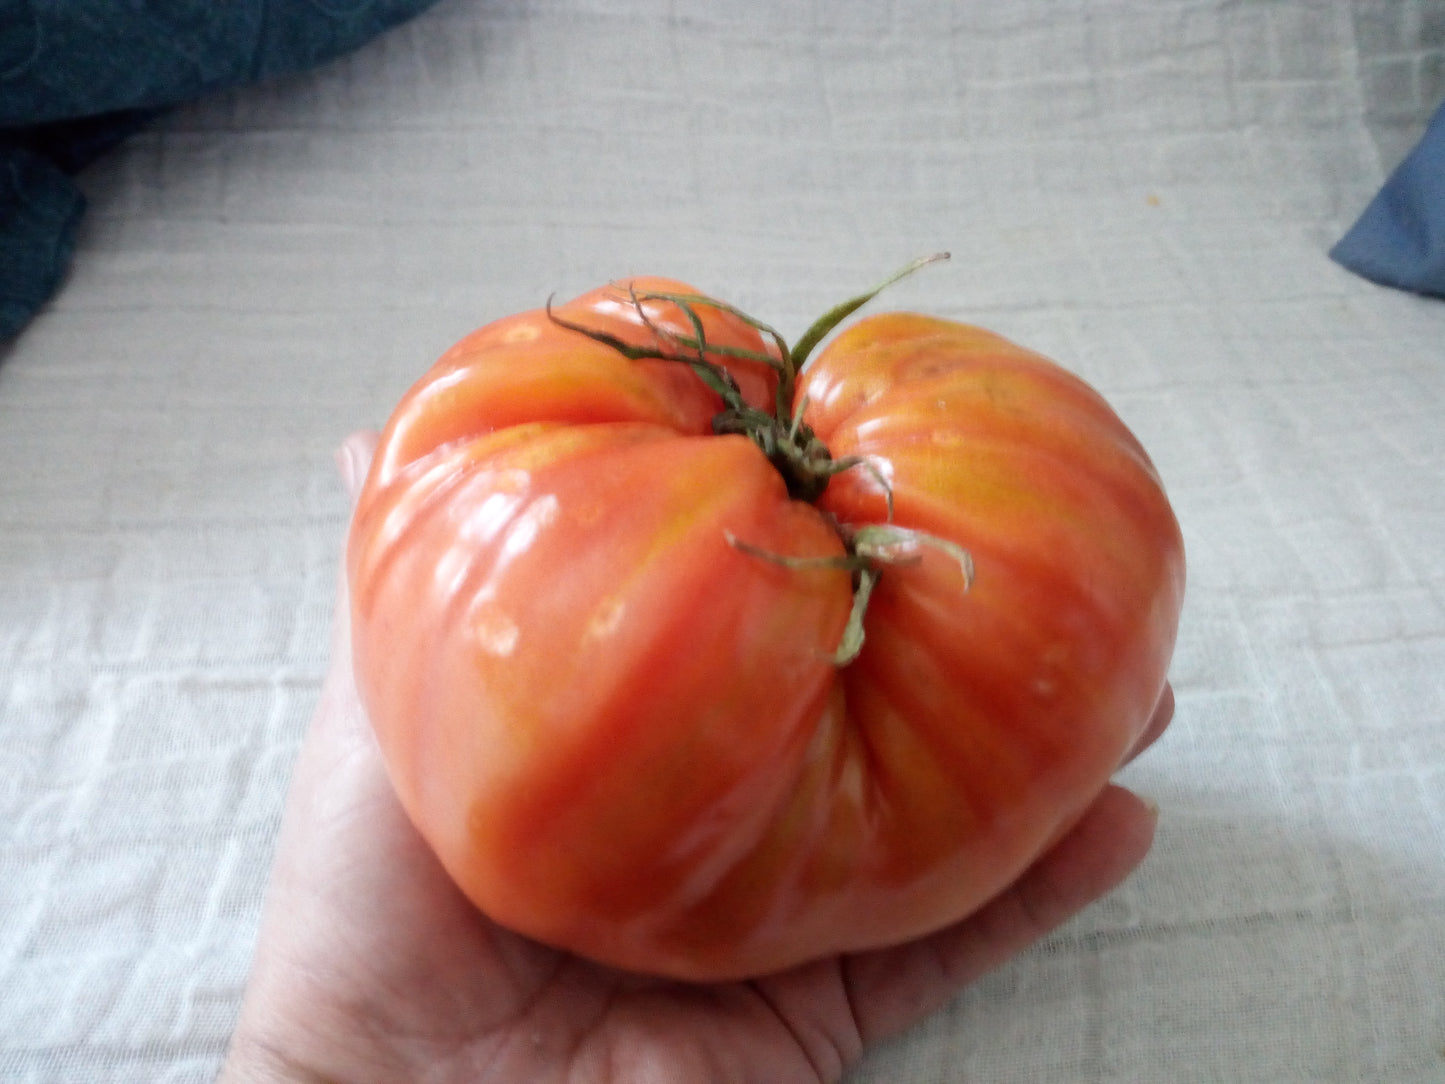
[(353, 459)]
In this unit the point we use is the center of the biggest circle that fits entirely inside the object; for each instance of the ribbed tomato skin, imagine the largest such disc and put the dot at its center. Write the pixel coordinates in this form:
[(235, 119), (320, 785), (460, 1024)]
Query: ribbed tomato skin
[(624, 734)]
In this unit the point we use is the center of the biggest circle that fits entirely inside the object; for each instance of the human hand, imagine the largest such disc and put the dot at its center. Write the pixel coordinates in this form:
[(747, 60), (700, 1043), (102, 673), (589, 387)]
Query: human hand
[(372, 966)]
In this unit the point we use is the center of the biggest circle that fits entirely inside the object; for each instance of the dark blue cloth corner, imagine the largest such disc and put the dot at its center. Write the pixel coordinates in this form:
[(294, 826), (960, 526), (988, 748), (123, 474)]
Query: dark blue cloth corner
[(1399, 240), (40, 208), (78, 77)]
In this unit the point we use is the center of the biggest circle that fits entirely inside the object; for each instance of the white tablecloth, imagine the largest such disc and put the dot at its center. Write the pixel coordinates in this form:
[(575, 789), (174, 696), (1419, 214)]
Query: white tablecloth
[(1145, 191)]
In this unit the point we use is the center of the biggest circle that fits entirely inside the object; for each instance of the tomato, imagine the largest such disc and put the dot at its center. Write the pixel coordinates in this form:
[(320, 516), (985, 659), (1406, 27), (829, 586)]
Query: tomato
[(597, 619)]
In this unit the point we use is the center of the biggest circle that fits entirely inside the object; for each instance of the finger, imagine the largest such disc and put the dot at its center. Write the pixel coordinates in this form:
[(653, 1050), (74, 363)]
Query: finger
[(1158, 723), (891, 989), (353, 460)]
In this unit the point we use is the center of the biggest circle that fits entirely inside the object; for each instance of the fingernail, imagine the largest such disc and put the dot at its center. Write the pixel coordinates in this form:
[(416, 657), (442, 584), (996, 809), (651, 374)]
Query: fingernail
[(1149, 803)]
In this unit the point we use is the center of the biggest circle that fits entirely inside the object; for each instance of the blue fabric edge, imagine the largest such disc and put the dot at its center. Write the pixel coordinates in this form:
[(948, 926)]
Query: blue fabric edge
[(1399, 239)]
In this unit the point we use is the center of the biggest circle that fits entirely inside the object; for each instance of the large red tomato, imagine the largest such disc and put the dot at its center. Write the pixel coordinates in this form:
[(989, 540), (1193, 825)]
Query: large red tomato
[(600, 593)]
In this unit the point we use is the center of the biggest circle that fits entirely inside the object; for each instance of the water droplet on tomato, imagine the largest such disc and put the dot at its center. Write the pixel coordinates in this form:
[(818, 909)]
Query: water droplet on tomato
[(522, 333), (495, 632), (606, 618)]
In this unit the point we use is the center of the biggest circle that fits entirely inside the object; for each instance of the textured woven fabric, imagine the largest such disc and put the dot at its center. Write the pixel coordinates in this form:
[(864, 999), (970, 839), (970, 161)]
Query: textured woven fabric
[(1145, 191)]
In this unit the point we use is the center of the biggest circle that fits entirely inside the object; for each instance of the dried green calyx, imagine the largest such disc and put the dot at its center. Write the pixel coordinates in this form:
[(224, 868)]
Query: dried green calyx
[(795, 451)]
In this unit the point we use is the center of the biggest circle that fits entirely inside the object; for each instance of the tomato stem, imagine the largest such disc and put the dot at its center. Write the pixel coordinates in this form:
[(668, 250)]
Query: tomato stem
[(783, 363), (868, 550), (795, 451), (838, 313)]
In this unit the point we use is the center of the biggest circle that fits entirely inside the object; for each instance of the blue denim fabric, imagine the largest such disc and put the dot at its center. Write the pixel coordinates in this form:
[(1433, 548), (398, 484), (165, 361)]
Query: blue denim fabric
[(78, 77), (1400, 239)]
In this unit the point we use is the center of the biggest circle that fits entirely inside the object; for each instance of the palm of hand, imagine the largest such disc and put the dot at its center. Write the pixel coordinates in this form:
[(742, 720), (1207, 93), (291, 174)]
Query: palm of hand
[(364, 925)]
